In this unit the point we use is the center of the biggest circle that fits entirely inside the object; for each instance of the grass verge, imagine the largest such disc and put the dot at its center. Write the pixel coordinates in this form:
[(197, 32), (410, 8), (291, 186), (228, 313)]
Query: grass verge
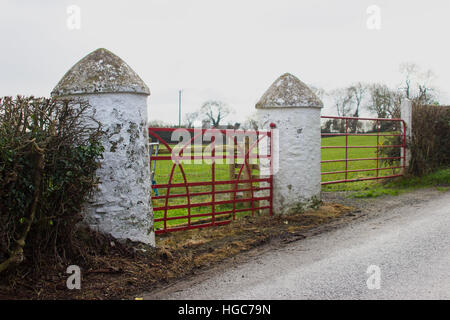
[(439, 179)]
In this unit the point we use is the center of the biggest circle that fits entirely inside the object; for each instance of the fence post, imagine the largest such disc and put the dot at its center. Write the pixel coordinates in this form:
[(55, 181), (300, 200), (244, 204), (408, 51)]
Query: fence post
[(121, 206), (295, 110), (406, 115)]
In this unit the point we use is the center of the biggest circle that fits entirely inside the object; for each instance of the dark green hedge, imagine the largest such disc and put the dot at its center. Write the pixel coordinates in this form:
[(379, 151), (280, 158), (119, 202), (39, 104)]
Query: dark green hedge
[(430, 139), (49, 152), (429, 143)]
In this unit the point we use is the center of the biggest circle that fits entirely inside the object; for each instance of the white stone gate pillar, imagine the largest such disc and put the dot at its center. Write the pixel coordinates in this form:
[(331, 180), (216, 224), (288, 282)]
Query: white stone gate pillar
[(406, 115), (295, 110), (122, 205)]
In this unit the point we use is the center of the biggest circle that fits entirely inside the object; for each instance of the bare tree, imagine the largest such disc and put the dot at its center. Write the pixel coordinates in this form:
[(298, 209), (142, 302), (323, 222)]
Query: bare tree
[(357, 93), (319, 92), (417, 84), (342, 100), (215, 111), (250, 122), (381, 100), (190, 118), (409, 70), (384, 102)]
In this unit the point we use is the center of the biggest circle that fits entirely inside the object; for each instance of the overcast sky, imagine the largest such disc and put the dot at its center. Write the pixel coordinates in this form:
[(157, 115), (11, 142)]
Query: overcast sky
[(227, 50)]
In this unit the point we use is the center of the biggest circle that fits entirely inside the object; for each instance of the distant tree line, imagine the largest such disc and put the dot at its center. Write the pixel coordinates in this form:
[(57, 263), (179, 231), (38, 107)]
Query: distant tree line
[(379, 99)]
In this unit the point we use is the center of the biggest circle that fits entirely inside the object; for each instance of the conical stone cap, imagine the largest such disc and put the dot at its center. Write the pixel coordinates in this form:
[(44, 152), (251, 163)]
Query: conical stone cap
[(100, 72), (288, 91)]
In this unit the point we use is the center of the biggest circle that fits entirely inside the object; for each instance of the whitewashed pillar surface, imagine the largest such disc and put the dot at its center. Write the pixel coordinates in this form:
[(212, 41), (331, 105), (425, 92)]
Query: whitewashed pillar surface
[(121, 206), (295, 110)]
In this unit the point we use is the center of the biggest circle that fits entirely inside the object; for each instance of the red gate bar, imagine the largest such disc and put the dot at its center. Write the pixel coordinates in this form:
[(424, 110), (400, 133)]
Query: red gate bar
[(362, 147), (378, 159), (361, 159)]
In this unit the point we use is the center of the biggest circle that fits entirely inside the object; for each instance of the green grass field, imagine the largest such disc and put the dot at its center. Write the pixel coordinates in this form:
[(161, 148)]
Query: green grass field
[(355, 153), (439, 179), (198, 173)]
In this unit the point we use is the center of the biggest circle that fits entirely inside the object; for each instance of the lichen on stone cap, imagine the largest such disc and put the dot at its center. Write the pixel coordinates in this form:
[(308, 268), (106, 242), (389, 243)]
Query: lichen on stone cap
[(288, 91), (100, 72)]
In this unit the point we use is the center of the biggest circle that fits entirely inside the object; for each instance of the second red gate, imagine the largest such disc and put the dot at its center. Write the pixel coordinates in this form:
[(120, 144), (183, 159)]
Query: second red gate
[(360, 149)]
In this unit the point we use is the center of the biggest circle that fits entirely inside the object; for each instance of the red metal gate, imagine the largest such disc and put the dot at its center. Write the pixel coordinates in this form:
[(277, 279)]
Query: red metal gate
[(198, 184), (352, 135)]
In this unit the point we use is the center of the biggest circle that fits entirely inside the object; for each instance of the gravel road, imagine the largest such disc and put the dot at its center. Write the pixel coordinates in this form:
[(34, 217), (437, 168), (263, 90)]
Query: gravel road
[(405, 240)]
